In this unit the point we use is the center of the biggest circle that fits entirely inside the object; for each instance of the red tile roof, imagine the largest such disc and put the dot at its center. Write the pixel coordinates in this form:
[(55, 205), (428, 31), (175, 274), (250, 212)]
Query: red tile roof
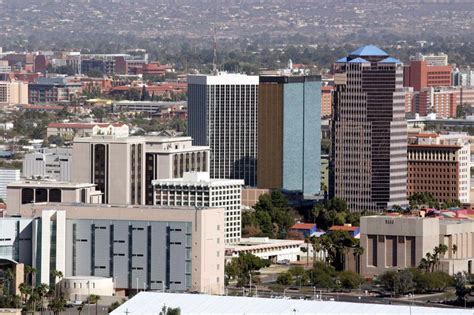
[(343, 228), (303, 226)]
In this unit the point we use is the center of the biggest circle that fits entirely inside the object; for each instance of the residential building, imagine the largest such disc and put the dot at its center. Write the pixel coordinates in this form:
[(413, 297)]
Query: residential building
[(369, 131), (440, 165), (289, 134), (441, 101), (161, 248), (196, 189), (304, 229), (57, 90), (394, 242), (419, 74), (6, 177), (408, 99), (48, 163), (13, 93), (326, 101), (24, 196), (222, 114), (123, 167), (71, 130)]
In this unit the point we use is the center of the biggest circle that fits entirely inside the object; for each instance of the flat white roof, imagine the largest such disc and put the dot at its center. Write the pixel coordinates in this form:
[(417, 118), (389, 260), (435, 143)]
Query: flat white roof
[(152, 303), (223, 78)]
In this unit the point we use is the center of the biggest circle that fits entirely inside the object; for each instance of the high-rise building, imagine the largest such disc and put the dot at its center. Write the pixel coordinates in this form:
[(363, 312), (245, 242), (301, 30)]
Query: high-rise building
[(326, 101), (124, 167), (369, 131), (196, 189), (289, 133), (222, 114), (419, 74)]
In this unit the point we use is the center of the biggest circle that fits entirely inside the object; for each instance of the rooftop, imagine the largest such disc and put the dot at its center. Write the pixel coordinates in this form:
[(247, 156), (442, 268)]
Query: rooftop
[(368, 50), (212, 304), (48, 184), (303, 226)]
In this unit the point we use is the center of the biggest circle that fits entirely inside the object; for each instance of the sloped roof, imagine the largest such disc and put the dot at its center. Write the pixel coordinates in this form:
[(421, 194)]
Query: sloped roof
[(303, 226), (344, 59), (390, 60), (358, 60), (369, 50)]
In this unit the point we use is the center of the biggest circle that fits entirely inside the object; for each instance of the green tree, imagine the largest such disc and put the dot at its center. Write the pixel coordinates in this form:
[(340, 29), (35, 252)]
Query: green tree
[(284, 278), (350, 280), (462, 286), (170, 310), (99, 113), (243, 267), (58, 305), (94, 299)]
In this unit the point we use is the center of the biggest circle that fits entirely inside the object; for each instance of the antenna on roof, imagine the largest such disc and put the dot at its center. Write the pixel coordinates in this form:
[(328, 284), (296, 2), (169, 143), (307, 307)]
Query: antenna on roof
[(214, 60)]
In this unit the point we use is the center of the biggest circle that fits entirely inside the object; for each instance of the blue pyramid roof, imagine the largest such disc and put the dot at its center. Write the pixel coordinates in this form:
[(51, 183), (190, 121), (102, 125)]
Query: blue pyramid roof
[(358, 60), (342, 60), (369, 50), (390, 60)]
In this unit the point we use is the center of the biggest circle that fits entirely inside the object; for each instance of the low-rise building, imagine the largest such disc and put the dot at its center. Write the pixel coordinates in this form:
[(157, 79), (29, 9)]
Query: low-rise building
[(196, 189), (57, 90), (274, 250), (71, 130), (24, 196), (393, 242), (78, 288)]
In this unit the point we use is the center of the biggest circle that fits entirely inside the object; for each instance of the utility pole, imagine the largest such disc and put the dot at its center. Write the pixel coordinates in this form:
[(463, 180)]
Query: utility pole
[(250, 289)]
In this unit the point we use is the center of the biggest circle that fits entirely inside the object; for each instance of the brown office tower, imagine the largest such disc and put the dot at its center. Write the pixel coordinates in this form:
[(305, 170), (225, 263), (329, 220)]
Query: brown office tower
[(369, 131)]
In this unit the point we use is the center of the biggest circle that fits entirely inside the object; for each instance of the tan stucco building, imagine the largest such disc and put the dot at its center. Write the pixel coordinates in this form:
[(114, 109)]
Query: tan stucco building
[(399, 242)]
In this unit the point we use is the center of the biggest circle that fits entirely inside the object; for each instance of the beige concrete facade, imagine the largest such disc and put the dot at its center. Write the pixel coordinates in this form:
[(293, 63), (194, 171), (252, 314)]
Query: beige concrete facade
[(13, 93), (123, 167), (207, 248), (23, 196), (399, 242)]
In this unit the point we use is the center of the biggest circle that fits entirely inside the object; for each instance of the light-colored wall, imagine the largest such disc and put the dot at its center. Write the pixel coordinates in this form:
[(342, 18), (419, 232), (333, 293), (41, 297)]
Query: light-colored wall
[(74, 288), (208, 250), (424, 230)]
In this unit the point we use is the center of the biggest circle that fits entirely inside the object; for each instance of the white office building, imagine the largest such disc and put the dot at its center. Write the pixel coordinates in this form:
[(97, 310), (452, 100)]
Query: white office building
[(6, 177), (222, 114), (196, 189), (48, 163)]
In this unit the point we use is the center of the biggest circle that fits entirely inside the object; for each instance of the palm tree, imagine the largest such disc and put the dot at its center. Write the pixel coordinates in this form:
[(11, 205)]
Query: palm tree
[(317, 246), (358, 251), (25, 291), (29, 271), (41, 292), (57, 305), (93, 299), (57, 274), (8, 275), (455, 249)]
